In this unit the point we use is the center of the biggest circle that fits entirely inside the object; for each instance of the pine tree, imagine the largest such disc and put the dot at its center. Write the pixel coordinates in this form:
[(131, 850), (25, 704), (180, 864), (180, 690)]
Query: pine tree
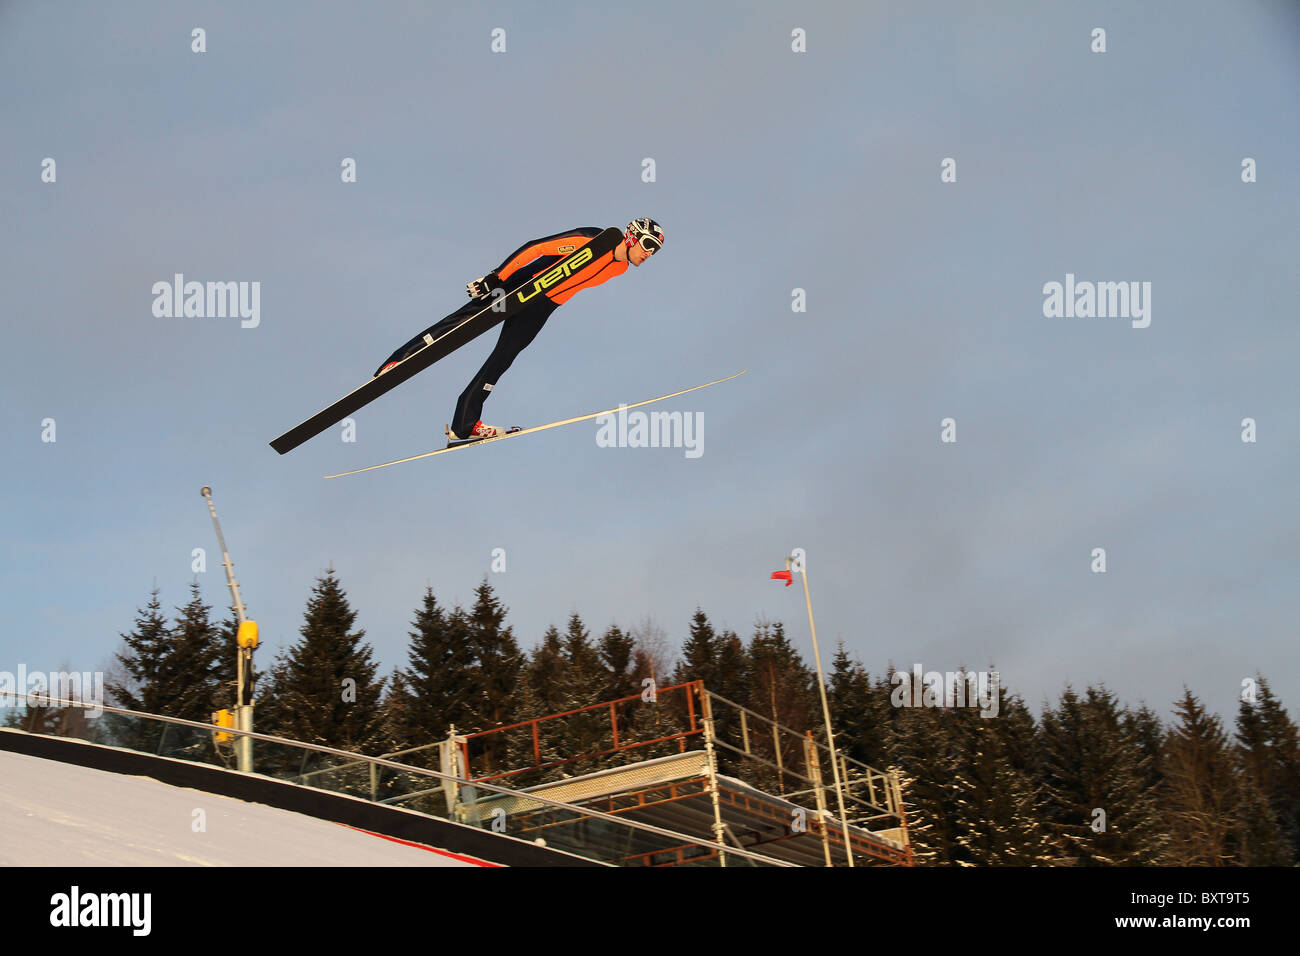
[(170, 670), (893, 701), (397, 721), (996, 818), (780, 688), (919, 828), (968, 783), (731, 681), (227, 664), (523, 748), (1200, 790), (141, 659), (731, 677), (425, 700), (540, 694), (438, 676), (584, 677), (923, 754), (193, 661), (1020, 733), (187, 679), (1144, 728), (546, 676), (144, 661), (588, 732), (324, 689), (1268, 759), (1147, 732), (1257, 839), (399, 733), (498, 666), (616, 650), (699, 654), (857, 711), (1070, 775), (721, 662), (862, 722), (654, 717), (1091, 763)]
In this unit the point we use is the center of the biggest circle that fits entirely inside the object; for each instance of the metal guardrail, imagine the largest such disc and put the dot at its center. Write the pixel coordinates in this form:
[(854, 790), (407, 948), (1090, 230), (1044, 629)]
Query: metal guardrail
[(883, 796), (693, 726), (875, 794), (676, 840)]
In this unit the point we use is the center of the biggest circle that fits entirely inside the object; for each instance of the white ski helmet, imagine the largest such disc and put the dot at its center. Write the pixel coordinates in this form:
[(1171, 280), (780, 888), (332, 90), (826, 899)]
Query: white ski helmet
[(645, 232)]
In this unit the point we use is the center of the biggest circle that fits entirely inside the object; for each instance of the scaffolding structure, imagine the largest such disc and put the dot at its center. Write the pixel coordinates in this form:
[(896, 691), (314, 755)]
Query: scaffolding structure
[(688, 760)]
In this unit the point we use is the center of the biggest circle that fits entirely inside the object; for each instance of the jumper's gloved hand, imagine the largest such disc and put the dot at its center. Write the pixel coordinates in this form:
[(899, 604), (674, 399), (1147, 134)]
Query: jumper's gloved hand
[(483, 285)]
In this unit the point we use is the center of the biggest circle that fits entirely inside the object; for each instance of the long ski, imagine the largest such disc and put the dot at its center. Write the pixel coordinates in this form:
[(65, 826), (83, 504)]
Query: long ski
[(538, 428), (435, 349)]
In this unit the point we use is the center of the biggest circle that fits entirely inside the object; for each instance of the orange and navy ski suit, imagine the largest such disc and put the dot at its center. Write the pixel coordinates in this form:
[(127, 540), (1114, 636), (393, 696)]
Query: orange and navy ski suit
[(529, 260)]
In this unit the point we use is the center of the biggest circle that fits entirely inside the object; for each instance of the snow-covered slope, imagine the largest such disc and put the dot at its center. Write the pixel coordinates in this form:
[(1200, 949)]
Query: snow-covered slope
[(57, 814)]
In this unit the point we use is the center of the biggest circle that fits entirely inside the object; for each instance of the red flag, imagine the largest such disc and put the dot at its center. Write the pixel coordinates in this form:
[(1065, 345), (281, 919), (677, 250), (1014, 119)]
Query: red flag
[(785, 576)]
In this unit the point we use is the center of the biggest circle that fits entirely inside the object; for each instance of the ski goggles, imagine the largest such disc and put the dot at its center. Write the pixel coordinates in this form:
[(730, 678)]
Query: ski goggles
[(649, 243)]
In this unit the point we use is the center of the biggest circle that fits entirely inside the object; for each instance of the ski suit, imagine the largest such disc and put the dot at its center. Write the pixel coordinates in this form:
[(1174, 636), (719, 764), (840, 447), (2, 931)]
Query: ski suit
[(529, 260)]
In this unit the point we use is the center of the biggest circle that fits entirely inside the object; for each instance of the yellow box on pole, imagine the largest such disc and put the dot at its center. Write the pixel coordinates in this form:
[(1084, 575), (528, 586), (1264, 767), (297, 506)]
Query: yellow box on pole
[(223, 718), (247, 636)]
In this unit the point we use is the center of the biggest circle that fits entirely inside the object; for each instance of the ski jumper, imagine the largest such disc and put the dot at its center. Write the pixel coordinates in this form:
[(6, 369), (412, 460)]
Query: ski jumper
[(529, 260)]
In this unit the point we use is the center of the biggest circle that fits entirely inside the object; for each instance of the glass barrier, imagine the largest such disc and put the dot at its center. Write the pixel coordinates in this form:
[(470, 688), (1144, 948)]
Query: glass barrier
[(582, 831)]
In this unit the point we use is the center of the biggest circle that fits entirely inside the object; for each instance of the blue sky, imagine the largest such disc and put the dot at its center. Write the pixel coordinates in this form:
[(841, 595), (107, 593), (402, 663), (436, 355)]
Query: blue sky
[(774, 170)]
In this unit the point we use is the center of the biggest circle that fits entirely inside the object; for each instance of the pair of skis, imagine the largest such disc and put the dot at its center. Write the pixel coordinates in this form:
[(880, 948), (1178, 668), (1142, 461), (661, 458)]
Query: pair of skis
[(472, 327), (536, 428)]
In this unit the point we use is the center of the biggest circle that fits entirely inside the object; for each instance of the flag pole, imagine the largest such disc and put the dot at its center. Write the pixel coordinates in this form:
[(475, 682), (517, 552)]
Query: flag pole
[(826, 710)]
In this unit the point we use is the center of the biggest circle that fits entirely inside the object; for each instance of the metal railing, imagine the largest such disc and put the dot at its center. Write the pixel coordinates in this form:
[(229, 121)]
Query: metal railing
[(582, 831), (875, 793), (679, 704)]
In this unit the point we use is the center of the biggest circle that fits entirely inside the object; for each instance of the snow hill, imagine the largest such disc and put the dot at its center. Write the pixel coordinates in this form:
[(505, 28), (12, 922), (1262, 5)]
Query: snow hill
[(57, 814)]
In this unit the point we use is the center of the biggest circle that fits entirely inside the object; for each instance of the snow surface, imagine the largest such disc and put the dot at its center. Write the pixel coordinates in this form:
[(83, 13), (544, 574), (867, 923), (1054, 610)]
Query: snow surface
[(57, 814)]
